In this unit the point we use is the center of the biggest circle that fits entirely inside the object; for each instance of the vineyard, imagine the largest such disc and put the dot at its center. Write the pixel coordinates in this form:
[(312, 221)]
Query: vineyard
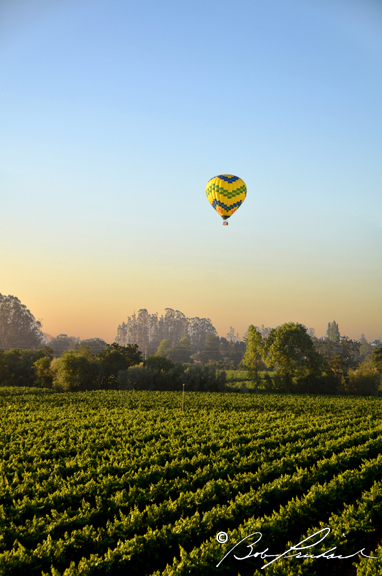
[(125, 483)]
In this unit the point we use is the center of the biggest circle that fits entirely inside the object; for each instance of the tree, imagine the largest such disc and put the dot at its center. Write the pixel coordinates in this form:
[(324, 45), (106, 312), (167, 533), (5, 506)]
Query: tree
[(159, 363), (17, 367), (332, 332), (182, 351), (115, 358), (231, 336), (164, 348), (349, 350), (62, 343), (18, 326), (376, 359), (364, 381), (121, 337), (43, 372), (253, 354), (148, 330), (212, 347), (365, 349), (96, 345), (291, 349), (74, 371), (311, 332)]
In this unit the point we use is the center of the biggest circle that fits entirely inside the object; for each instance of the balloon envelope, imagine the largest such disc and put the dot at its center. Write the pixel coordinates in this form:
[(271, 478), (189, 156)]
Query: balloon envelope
[(226, 193)]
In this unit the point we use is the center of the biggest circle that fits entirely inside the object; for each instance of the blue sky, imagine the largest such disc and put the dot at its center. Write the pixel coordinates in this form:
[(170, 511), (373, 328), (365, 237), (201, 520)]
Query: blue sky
[(113, 117)]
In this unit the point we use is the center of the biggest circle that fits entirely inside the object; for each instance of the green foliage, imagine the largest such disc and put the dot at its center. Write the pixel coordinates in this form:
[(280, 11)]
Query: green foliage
[(164, 348), (211, 352), (114, 359), (43, 373), (220, 353), (365, 349), (194, 377), (338, 358), (182, 351), (75, 371), (376, 359), (96, 345), (292, 351), (139, 378), (17, 366), (203, 378), (159, 363), (253, 354), (365, 380), (350, 351)]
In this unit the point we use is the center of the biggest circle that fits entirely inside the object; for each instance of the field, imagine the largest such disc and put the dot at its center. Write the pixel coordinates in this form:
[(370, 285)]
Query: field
[(125, 483)]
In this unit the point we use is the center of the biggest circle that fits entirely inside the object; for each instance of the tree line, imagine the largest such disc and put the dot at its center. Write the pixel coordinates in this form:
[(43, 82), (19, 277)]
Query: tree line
[(303, 364), (288, 360), (114, 368), (148, 330), (172, 349)]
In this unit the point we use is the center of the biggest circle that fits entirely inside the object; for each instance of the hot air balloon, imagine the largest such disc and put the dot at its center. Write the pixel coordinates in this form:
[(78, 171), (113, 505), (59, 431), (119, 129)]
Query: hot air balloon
[(226, 193)]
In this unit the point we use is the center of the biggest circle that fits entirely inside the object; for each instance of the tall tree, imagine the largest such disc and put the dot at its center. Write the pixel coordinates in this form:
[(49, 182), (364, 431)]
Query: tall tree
[(253, 354), (121, 337), (231, 336), (18, 326), (332, 332)]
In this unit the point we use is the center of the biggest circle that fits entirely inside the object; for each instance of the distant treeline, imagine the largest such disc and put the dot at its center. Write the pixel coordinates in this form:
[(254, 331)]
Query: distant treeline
[(148, 330), (165, 352), (287, 361)]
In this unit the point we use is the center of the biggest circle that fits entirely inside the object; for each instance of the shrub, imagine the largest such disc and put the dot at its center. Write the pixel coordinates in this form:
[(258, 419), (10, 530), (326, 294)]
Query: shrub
[(74, 371), (137, 378), (43, 373), (364, 381), (159, 363)]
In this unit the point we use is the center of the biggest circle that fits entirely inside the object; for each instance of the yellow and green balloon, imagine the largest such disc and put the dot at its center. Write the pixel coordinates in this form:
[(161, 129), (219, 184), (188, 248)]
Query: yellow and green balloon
[(226, 193)]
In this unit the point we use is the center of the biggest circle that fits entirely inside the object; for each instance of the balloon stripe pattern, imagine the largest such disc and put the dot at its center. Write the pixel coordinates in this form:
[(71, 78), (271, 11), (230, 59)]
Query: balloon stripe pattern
[(226, 193)]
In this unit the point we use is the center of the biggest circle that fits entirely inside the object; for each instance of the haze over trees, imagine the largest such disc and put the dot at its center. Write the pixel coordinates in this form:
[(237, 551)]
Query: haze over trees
[(18, 327), (332, 332), (62, 343), (148, 330)]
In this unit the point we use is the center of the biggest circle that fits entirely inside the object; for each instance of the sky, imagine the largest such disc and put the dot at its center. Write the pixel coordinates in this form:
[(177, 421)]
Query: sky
[(114, 114)]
